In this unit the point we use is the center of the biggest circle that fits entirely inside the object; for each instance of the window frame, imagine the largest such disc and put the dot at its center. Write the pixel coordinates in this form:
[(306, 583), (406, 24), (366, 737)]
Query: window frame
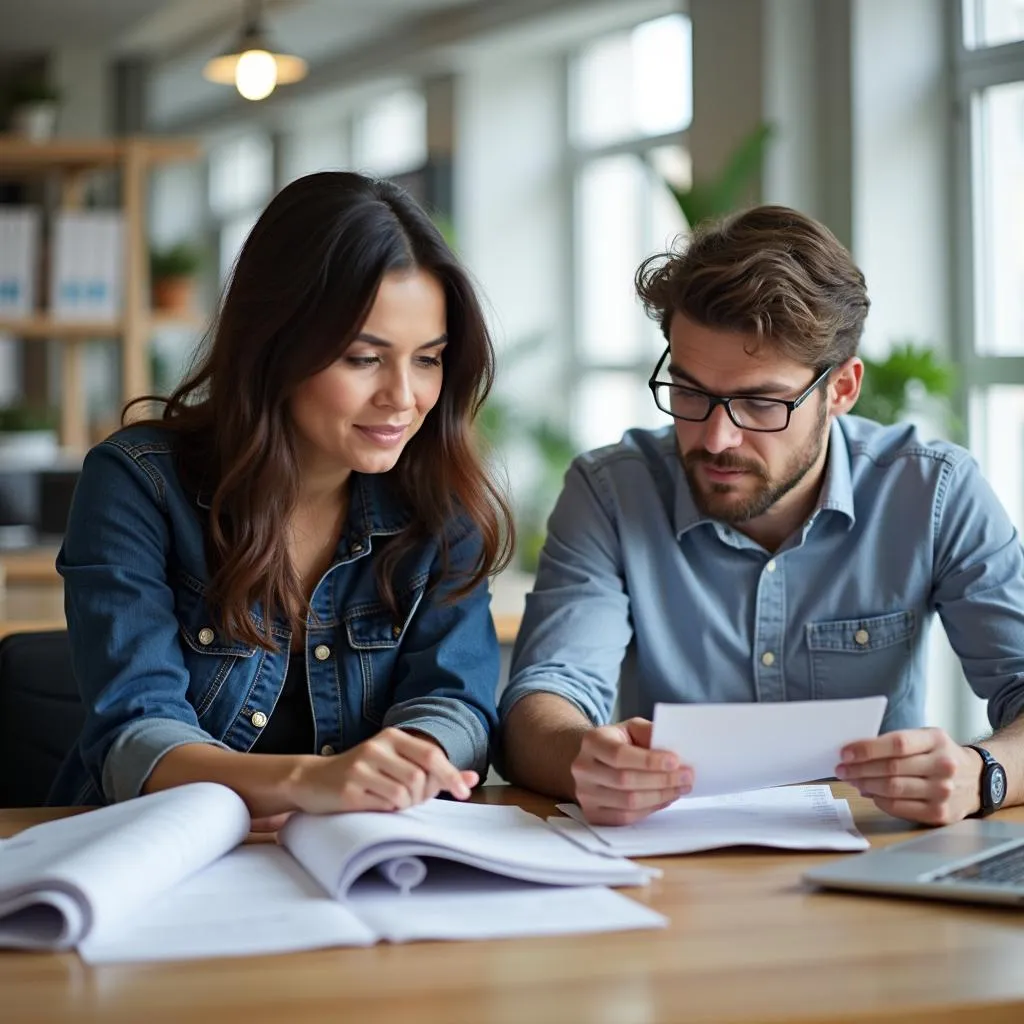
[(578, 156), (974, 70)]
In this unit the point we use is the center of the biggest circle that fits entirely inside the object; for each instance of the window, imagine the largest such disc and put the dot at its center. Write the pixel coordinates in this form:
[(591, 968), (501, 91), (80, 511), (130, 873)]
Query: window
[(629, 100), (633, 84), (989, 83), (391, 134), (999, 188), (990, 183), (993, 22), (241, 183)]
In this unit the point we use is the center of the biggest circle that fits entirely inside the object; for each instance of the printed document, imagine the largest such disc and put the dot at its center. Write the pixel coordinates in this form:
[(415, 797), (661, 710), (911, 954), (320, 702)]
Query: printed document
[(737, 747), (790, 817)]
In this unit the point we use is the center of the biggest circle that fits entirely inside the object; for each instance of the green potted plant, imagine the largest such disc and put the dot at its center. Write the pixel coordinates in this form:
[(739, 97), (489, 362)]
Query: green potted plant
[(33, 104), (728, 190), (172, 273), (912, 378), (28, 435)]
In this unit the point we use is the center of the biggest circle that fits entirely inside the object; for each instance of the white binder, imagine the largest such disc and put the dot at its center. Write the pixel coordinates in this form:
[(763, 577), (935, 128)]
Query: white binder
[(86, 282)]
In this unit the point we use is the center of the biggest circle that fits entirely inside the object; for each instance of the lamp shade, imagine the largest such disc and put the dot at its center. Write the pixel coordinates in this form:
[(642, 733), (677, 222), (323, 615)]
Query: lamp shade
[(253, 66)]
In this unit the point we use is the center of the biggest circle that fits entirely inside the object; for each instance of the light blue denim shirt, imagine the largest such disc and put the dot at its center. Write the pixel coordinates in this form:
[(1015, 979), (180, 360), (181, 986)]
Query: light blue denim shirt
[(155, 671), (633, 579)]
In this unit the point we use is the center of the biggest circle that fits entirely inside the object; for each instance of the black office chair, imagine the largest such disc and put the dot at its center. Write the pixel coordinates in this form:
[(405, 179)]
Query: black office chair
[(41, 714)]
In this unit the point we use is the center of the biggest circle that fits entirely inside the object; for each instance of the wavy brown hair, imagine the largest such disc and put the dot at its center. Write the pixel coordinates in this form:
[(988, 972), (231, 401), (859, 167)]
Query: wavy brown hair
[(302, 287), (768, 271)]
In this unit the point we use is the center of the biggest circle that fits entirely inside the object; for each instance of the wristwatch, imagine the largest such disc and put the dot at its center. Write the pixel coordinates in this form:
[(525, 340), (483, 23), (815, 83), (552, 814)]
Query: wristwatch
[(993, 783)]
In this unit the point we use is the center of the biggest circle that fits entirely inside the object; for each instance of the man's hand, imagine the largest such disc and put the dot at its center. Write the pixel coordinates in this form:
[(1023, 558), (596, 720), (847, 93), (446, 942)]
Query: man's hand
[(917, 774), (619, 779)]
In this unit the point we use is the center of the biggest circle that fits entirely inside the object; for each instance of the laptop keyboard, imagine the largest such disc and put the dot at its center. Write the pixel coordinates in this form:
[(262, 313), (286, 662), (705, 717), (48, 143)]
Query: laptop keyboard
[(1003, 868)]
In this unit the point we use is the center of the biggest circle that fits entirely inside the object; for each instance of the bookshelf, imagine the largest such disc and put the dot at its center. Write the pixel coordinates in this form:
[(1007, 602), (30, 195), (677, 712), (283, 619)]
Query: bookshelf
[(71, 163)]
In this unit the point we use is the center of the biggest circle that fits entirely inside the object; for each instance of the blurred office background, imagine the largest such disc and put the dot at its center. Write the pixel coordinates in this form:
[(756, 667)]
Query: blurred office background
[(544, 136)]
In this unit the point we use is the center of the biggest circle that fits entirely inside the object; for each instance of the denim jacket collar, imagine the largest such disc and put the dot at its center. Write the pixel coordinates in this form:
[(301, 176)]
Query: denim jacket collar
[(374, 510)]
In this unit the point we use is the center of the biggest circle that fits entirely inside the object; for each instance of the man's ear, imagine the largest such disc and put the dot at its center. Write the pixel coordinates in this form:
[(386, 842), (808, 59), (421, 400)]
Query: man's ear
[(844, 386)]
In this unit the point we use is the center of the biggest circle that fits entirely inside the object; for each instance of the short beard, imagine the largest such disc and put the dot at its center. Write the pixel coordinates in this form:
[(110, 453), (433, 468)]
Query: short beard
[(766, 495)]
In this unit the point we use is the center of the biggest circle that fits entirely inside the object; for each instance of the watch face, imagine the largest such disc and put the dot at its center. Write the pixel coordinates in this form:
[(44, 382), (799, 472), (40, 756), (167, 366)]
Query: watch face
[(997, 786)]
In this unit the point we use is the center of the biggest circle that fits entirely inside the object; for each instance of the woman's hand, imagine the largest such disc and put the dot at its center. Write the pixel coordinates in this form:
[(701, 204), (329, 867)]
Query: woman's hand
[(389, 772)]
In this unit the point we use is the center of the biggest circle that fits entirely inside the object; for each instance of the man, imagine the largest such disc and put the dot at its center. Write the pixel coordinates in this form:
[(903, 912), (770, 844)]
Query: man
[(768, 548)]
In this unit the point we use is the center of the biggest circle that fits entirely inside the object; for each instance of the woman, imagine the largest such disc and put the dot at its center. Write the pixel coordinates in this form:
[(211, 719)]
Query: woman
[(281, 584)]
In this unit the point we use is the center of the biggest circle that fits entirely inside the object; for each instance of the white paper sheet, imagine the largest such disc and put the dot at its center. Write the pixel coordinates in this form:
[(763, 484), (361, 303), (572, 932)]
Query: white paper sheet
[(64, 880), (252, 901), (791, 817), (258, 900), (458, 902), (338, 849), (738, 747)]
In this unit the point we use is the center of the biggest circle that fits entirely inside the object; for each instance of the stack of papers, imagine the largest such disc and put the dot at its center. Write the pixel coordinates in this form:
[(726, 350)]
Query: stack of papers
[(739, 753), (163, 877), (790, 818)]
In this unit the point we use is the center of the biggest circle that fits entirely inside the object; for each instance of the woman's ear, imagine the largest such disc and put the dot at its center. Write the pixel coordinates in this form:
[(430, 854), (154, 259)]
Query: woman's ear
[(844, 386)]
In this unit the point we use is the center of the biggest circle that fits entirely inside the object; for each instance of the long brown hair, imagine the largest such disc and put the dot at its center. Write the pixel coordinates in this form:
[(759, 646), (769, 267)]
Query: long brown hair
[(303, 285), (769, 271)]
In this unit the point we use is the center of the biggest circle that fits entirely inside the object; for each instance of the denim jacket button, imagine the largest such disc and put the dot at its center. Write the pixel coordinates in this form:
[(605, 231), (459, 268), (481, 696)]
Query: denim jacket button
[(206, 636), (356, 548), (321, 652), (862, 636), (396, 631), (259, 719), (327, 750)]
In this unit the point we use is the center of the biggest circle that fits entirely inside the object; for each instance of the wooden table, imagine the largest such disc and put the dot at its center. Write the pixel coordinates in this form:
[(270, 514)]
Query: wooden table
[(31, 592), (32, 565), (748, 942)]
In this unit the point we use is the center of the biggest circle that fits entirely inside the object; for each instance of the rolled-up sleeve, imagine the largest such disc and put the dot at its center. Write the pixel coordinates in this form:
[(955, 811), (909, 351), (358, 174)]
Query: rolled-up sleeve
[(576, 625), (979, 589), (446, 675), (122, 625)]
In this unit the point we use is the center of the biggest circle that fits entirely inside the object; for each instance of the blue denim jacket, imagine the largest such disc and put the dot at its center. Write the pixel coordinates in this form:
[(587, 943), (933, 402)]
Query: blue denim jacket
[(155, 673), (634, 580)]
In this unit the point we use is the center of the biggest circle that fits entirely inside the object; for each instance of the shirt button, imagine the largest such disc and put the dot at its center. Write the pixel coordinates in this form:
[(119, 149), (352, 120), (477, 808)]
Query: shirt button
[(862, 636), (327, 750), (206, 636), (396, 631), (321, 652), (771, 566), (767, 658), (356, 548), (259, 719)]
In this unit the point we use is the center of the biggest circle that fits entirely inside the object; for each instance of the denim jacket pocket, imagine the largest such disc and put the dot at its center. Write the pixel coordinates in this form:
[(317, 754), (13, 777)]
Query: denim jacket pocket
[(208, 655), (860, 657), (375, 633)]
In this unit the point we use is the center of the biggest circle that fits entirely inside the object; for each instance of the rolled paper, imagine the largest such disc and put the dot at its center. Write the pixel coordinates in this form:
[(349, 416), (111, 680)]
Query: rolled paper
[(404, 873)]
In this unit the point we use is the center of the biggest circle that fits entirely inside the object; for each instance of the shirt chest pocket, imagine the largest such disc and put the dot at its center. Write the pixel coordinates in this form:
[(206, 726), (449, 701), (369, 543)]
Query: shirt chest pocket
[(860, 657), (375, 633), (210, 657)]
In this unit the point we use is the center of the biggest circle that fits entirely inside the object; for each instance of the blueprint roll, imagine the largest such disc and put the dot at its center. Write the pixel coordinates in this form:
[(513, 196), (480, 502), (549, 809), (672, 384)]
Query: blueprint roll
[(404, 873)]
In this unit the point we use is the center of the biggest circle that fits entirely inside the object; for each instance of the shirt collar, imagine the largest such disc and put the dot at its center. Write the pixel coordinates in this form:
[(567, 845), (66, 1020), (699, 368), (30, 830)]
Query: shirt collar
[(836, 489)]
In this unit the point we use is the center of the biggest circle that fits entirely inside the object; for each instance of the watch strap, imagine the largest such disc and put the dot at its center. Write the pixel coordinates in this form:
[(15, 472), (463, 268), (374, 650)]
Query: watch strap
[(985, 804)]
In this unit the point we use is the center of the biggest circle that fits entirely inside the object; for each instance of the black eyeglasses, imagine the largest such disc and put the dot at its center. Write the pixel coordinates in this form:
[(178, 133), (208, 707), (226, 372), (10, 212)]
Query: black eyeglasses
[(768, 415)]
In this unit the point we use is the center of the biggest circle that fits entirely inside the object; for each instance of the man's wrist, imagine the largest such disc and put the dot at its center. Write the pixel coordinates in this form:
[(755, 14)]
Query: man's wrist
[(977, 763)]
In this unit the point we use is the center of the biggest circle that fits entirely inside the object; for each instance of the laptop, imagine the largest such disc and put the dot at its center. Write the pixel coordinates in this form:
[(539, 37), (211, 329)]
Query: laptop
[(974, 860)]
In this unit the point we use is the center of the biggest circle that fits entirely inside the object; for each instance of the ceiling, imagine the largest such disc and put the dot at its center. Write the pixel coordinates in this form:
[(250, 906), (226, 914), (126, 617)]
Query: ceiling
[(161, 27), (343, 40)]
